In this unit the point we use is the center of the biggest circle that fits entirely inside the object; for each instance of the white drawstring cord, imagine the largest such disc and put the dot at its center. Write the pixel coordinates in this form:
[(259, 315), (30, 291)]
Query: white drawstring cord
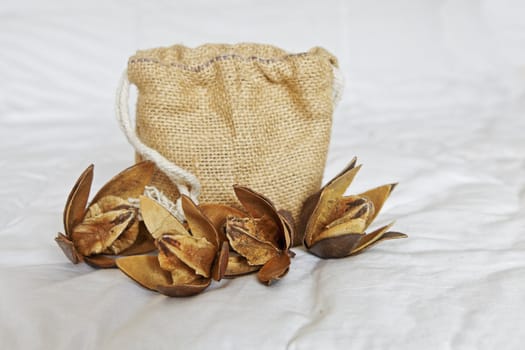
[(187, 183)]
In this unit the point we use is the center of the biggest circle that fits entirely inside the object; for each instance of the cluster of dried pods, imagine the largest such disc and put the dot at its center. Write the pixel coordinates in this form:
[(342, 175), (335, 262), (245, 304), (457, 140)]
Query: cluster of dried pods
[(123, 228)]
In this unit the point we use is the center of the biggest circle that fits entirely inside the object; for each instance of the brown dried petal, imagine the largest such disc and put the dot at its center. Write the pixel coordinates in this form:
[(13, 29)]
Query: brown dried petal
[(100, 261), (145, 270), (129, 183), (346, 169), (68, 248), (340, 184), (352, 207), (260, 207), (289, 228), (221, 262), (335, 247), (185, 290), (356, 226), (238, 266), (105, 204), (381, 234), (111, 203), (311, 202), (349, 223), (183, 274), (126, 239), (274, 269), (323, 213), (217, 214), (378, 196), (242, 241), (95, 234), (158, 219), (143, 244), (199, 225), (351, 244), (267, 229), (77, 200), (306, 213), (180, 272), (197, 253)]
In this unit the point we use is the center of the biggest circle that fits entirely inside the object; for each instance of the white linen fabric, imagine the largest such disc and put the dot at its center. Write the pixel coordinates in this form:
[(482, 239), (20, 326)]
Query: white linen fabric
[(434, 100)]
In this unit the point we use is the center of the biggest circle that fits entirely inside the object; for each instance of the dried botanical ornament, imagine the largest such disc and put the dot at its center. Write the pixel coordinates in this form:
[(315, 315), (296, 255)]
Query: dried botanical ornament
[(335, 224), (260, 237), (189, 256), (109, 226), (217, 241)]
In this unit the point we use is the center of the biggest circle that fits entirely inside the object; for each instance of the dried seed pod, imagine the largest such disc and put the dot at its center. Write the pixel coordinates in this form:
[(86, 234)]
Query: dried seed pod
[(109, 225), (188, 258), (274, 269), (335, 224), (256, 236), (271, 225), (261, 238)]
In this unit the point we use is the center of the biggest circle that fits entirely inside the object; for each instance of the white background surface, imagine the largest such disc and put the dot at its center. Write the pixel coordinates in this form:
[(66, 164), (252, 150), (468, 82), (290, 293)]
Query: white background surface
[(435, 100)]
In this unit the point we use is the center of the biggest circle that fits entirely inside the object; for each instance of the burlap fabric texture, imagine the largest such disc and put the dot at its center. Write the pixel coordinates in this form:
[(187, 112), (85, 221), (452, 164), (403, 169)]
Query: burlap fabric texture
[(246, 114)]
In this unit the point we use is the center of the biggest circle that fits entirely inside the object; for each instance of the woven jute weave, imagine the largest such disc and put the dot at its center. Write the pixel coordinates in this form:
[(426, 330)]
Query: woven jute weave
[(246, 114)]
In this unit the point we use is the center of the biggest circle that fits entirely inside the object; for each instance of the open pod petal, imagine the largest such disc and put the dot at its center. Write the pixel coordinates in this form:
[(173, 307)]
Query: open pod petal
[(341, 182), (351, 165), (185, 290), (335, 247), (143, 244), (352, 207), (274, 269), (94, 235), (100, 261), (217, 214), (129, 183), (158, 220), (310, 203), (196, 253), (126, 239), (306, 213), (68, 248), (180, 272), (238, 266), (221, 262), (243, 242), (76, 202), (289, 228), (378, 196), (381, 234), (351, 244), (199, 225), (356, 226), (105, 204), (146, 271), (325, 210), (260, 207)]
